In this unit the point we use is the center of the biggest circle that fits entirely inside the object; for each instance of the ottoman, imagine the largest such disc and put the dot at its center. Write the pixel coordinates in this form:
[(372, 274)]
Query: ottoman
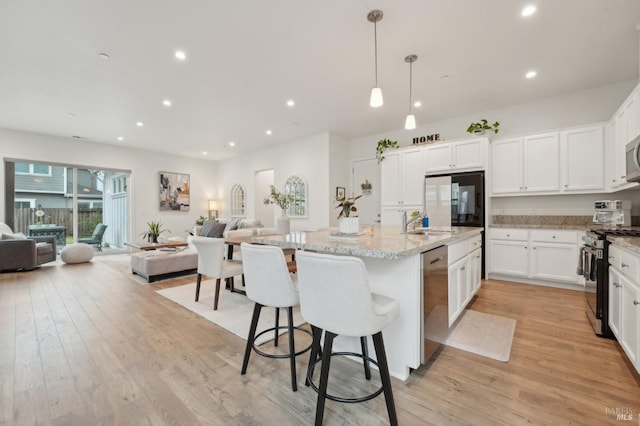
[(155, 264), (76, 253)]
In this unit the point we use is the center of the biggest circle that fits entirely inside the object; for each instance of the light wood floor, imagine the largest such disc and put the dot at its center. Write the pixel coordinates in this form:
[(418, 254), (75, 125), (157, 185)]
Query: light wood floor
[(86, 344)]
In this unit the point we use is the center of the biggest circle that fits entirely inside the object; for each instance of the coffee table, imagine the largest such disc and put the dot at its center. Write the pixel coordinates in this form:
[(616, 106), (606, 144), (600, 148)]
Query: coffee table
[(144, 246)]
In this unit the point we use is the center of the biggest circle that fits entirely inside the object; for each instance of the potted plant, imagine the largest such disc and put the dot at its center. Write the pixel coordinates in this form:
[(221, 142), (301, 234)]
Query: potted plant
[(383, 145), (479, 128), (153, 231), (201, 220), (282, 200), (366, 187), (348, 224)]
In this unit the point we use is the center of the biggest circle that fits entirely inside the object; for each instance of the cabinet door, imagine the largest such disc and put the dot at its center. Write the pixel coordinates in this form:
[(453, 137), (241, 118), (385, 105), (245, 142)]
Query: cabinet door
[(509, 257), (614, 301), (541, 155), (438, 158), (390, 179), (458, 295), (468, 154), (557, 262), (620, 163), (475, 276), (632, 111), (412, 177), (583, 159), (506, 166), (630, 320)]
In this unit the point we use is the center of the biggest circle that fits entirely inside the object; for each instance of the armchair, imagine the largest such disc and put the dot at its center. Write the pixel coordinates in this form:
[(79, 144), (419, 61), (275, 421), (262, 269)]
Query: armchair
[(20, 253)]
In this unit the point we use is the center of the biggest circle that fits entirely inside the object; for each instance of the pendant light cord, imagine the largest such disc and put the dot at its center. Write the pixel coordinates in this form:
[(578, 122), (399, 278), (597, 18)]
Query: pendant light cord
[(375, 47), (410, 83)]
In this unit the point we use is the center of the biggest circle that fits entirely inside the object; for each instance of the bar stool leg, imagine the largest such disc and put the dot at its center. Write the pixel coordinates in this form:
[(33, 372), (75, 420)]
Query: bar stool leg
[(378, 343), (292, 351), (215, 300), (198, 287), (324, 376), (365, 354), (315, 350), (252, 335), (276, 331)]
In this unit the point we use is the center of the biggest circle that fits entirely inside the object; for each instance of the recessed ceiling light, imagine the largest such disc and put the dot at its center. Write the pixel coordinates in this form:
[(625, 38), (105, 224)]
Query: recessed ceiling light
[(269, 132), (204, 152), (139, 124), (166, 102), (104, 56), (531, 74), (528, 10), (417, 104), (232, 143), (290, 103), (181, 55), (120, 138), (71, 115)]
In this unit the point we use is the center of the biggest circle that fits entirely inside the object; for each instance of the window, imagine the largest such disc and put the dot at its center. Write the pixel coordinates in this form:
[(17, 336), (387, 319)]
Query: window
[(33, 169), (25, 203), (237, 200), (296, 186), (119, 184)]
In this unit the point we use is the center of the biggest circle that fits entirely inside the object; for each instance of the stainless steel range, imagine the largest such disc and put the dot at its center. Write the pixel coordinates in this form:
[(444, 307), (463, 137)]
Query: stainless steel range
[(594, 261)]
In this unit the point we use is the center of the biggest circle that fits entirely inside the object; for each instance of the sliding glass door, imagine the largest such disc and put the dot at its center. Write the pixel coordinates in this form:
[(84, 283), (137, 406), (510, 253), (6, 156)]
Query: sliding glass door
[(68, 202)]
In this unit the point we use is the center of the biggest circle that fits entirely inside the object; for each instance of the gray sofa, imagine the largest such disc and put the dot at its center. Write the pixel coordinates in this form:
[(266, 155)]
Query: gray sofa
[(21, 253)]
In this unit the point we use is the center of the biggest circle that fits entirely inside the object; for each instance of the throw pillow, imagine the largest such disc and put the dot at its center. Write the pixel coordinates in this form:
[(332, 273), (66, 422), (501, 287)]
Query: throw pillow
[(232, 223), (16, 236), (206, 227), (217, 230)]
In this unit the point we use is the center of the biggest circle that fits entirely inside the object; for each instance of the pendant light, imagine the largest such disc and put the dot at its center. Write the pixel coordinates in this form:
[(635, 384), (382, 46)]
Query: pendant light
[(410, 122), (376, 93)]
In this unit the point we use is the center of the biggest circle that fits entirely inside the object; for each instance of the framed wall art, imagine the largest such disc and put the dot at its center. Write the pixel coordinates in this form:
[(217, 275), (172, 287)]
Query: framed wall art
[(340, 193), (174, 191)]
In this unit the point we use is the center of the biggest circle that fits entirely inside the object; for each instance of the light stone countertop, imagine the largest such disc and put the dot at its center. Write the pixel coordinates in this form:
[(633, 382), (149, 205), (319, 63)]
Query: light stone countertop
[(630, 243), (543, 226), (385, 243)]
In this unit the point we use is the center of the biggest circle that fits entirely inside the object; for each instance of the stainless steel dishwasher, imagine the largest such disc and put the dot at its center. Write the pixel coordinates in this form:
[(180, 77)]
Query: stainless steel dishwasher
[(435, 300)]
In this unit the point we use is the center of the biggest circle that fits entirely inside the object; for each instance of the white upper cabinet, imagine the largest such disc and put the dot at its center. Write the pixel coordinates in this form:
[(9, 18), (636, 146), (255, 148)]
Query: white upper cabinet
[(541, 163), (455, 156), (623, 128), (526, 165), (402, 178), (506, 166), (582, 153)]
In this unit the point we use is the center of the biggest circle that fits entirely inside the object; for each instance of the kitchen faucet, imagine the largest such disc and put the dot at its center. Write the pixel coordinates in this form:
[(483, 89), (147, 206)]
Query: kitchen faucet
[(406, 223)]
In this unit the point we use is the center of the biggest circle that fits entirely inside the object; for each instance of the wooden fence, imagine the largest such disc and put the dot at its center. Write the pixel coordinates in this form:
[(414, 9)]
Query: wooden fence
[(87, 219)]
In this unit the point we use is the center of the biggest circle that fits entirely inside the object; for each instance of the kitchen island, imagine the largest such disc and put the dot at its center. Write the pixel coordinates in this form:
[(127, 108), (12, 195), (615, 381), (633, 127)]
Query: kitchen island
[(394, 266)]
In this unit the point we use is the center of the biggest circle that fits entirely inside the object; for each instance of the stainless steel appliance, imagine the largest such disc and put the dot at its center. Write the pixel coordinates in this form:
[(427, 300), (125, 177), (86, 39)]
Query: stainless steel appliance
[(632, 153), (435, 300), (612, 213), (594, 260), (455, 199)]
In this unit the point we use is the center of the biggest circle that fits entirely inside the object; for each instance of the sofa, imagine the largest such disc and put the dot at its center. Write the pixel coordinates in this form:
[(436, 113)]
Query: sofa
[(18, 252)]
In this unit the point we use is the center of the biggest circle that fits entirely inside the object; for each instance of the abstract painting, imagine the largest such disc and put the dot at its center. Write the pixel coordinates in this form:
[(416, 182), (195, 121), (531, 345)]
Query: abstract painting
[(174, 191)]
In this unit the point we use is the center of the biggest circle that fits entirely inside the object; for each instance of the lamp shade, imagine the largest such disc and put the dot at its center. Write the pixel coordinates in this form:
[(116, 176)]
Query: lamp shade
[(213, 205), (376, 97), (410, 122)]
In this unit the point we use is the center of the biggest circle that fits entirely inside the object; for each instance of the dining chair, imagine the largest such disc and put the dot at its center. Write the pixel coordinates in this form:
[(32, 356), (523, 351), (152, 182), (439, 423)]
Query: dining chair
[(211, 263)]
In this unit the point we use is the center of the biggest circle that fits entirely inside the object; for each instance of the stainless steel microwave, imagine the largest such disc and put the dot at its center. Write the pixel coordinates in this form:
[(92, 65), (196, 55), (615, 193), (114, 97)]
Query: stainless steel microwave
[(632, 153)]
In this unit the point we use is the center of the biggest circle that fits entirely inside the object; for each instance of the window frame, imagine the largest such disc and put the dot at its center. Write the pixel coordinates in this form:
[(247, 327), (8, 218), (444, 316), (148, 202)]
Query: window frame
[(298, 188)]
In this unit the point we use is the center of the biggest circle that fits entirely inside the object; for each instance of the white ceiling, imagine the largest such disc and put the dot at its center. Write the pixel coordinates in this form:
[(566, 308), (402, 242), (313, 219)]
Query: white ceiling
[(247, 57)]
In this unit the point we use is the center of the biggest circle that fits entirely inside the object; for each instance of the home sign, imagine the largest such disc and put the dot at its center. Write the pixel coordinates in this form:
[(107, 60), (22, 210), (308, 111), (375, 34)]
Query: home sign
[(418, 140)]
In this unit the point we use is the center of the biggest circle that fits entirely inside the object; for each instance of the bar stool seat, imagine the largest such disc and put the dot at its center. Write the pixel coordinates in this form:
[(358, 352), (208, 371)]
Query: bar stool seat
[(335, 299), (269, 283)]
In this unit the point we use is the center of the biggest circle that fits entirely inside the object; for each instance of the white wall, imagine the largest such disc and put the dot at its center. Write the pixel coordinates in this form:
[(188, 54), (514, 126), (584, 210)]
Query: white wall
[(307, 158), (585, 107), (339, 174), (144, 165)]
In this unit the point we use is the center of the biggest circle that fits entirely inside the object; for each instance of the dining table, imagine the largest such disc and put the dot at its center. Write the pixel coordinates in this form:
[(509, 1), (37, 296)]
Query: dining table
[(249, 239)]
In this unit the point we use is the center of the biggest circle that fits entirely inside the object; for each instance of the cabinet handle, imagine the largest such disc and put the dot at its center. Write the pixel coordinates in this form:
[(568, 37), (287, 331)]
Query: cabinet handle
[(534, 248), (566, 186), (613, 180), (478, 257), (525, 247), (553, 236), (624, 265), (617, 285), (508, 235), (462, 269), (623, 177), (635, 302)]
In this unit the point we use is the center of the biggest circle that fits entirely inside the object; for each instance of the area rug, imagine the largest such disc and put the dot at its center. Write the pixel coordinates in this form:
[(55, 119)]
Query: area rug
[(483, 334), (234, 310)]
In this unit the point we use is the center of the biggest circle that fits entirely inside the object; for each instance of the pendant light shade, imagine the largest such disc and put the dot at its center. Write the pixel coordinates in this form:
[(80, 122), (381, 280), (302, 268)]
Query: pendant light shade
[(376, 97), (376, 93), (410, 121)]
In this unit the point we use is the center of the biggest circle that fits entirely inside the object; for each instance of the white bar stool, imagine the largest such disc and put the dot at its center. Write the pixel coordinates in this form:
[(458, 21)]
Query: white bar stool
[(335, 298), (269, 283)]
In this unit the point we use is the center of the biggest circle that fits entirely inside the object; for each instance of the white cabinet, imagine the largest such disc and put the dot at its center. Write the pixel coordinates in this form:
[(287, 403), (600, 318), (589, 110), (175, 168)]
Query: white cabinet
[(402, 184), (624, 301), (465, 269), (623, 128), (582, 153), (526, 165), (618, 165), (455, 156), (540, 254)]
